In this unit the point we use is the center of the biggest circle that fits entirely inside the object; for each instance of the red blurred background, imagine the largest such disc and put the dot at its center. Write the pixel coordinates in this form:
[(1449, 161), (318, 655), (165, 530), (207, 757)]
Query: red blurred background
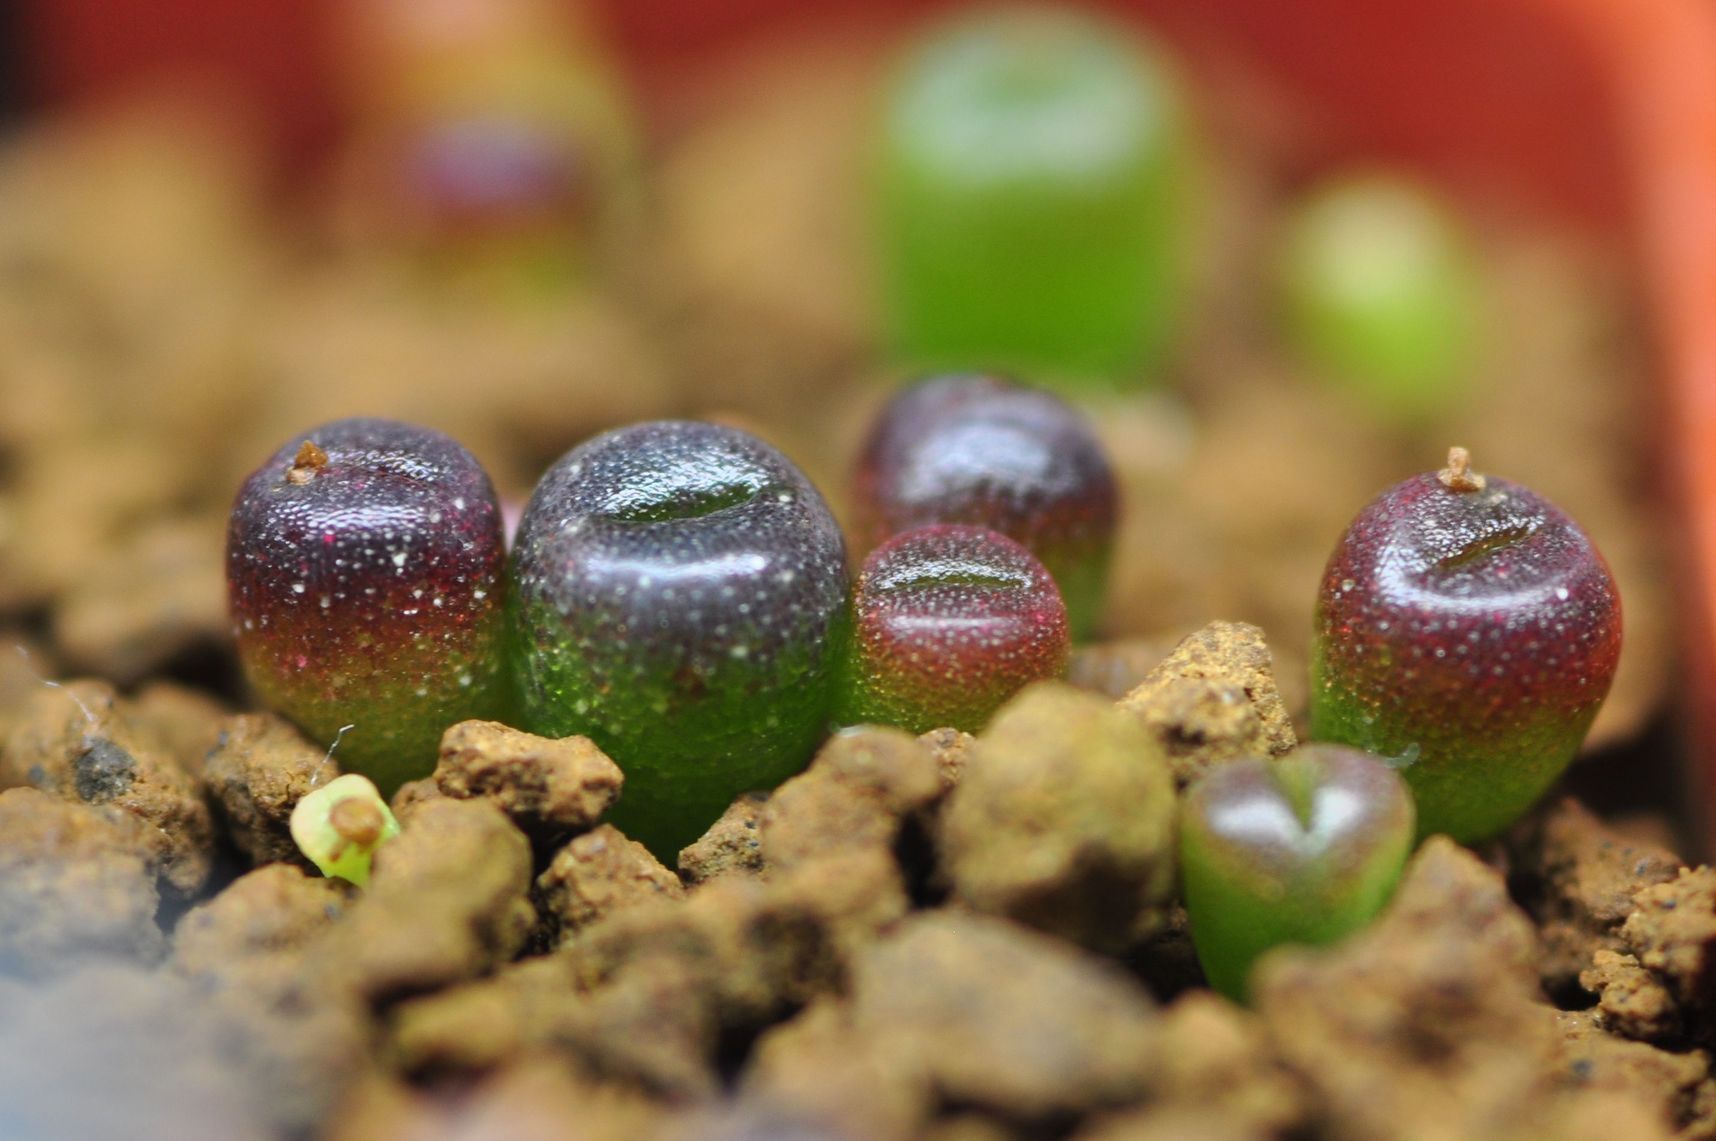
[(1513, 93)]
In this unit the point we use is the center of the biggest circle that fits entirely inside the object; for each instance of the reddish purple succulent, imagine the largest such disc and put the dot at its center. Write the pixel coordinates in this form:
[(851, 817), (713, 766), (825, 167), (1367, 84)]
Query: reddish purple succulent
[(985, 451), (950, 621), (364, 577), (1469, 630)]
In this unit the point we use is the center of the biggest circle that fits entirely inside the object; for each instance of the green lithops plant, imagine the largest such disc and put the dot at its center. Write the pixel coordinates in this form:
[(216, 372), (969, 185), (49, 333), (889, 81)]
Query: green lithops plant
[(1029, 180), (949, 622), (1303, 849), (1380, 288)]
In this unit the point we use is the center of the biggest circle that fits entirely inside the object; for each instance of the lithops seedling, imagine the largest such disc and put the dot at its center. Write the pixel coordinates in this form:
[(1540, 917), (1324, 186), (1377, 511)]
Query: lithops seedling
[(1303, 849), (339, 826)]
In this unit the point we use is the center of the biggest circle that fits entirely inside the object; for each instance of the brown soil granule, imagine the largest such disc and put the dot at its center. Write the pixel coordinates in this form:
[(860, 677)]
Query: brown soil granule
[(1214, 1052), (1445, 976), (260, 920), (413, 794), (1672, 933), (259, 769), (74, 742), (756, 946), (1213, 700), (1218, 1078), (816, 1067), (596, 875), (75, 885), (995, 1015), (952, 747), (1677, 1086), (1577, 878), (485, 1024), (652, 1030), (548, 787), (1063, 818), (1632, 1001), (857, 793), (732, 846)]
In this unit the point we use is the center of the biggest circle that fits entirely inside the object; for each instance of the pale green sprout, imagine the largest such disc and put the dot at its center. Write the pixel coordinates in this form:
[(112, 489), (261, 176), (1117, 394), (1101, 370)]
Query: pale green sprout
[(340, 825), (1382, 287)]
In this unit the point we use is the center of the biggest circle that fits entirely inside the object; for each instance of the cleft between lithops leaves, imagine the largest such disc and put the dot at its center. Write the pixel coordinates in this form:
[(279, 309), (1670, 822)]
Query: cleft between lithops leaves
[(939, 574), (659, 504), (1297, 776), (1486, 545)]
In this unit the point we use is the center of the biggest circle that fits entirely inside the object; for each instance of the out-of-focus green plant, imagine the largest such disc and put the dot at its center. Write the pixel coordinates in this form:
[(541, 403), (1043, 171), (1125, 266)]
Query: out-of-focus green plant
[(1030, 181), (1380, 290)]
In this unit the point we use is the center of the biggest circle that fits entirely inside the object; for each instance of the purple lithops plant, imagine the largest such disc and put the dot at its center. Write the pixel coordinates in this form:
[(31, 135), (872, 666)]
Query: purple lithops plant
[(1468, 630), (949, 622), (985, 451), (681, 598), (365, 582)]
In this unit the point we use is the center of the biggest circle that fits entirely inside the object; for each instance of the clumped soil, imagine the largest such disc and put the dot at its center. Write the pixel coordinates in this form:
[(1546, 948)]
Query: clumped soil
[(940, 936), (917, 936)]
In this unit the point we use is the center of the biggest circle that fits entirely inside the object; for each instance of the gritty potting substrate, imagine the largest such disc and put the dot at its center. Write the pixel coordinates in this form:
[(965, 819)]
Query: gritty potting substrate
[(913, 931)]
